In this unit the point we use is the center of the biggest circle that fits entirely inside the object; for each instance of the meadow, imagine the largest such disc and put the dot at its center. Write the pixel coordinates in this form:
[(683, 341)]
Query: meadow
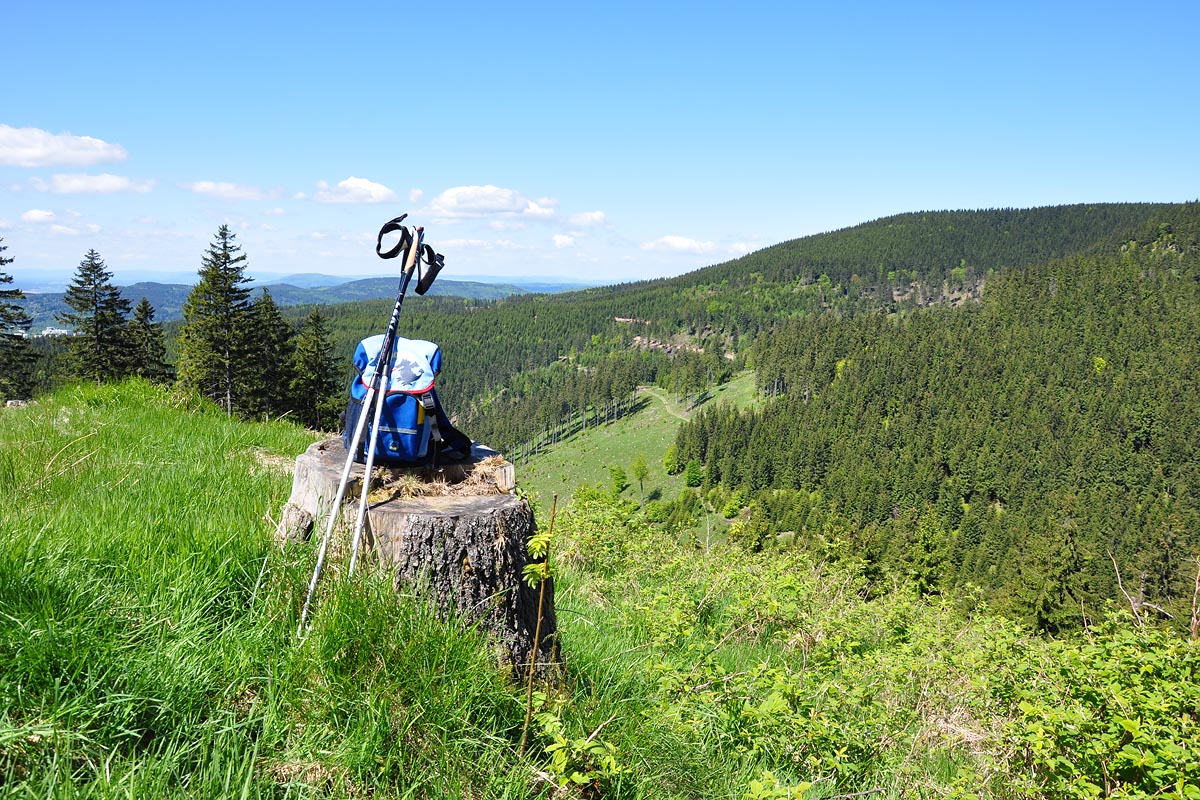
[(148, 648)]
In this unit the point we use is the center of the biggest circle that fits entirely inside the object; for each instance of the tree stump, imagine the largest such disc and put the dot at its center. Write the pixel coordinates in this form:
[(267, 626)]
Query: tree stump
[(455, 536)]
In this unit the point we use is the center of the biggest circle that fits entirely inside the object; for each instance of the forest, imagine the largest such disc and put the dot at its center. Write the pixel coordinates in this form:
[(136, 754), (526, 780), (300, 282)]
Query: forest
[(1003, 399), (1032, 444)]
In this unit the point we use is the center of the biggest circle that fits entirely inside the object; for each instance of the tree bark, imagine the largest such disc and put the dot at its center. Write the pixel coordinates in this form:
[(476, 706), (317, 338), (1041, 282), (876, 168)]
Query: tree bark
[(464, 553)]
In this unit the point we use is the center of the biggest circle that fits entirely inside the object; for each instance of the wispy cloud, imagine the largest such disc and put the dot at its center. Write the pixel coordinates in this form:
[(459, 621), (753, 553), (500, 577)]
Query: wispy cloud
[(226, 191), (38, 215), (478, 244), (562, 240), (90, 184), (353, 190), (465, 202), (588, 218), (33, 147), (679, 244)]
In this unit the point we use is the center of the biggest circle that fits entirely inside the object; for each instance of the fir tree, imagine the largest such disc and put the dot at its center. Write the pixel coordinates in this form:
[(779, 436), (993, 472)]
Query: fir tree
[(269, 354), (216, 326), (315, 389), (15, 355), (147, 349), (99, 350)]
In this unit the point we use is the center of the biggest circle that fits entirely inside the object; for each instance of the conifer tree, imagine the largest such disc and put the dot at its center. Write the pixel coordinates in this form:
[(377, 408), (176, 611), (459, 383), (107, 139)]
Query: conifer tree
[(216, 326), (147, 348), (315, 389), (99, 350), (269, 355), (15, 355)]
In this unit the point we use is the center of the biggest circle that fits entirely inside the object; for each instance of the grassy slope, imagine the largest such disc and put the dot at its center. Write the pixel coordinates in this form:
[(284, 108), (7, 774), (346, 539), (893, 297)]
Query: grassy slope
[(147, 624), (148, 649), (585, 458)]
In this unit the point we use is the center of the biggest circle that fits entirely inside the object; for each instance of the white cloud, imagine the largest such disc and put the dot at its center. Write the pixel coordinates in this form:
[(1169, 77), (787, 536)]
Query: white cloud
[(506, 225), (362, 239), (146, 221), (63, 230), (415, 195), (79, 183), (561, 240), (588, 218), (680, 244), (33, 147), (353, 190), (538, 211), (4, 224), (739, 248), (462, 202), (274, 212), (38, 215), (478, 244), (226, 191)]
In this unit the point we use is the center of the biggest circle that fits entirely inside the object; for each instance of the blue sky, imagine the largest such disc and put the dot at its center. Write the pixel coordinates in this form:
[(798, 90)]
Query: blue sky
[(603, 142)]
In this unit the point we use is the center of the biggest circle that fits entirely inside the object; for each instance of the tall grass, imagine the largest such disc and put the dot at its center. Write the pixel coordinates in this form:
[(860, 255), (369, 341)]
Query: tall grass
[(148, 649), (147, 624)]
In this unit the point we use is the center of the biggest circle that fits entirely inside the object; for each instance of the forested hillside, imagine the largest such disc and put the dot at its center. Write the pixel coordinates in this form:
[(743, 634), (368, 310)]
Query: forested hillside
[(1021, 445), (1032, 444), (516, 366)]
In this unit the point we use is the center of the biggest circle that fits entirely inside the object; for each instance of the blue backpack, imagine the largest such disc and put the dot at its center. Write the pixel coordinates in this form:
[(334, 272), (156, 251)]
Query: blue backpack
[(413, 428)]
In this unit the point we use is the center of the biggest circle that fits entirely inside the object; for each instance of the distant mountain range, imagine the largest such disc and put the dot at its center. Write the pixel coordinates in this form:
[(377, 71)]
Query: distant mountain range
[(297, 290)]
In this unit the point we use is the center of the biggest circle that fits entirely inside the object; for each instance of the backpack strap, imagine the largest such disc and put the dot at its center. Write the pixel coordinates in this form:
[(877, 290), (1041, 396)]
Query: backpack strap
[(431, 414), (444, 435)]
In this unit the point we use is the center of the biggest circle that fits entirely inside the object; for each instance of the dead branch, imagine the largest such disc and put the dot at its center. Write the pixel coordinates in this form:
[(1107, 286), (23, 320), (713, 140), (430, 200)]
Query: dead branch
[(1137, 614), (1196, 605)]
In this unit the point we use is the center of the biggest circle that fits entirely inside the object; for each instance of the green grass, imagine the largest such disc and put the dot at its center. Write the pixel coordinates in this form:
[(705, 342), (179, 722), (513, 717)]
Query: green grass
[(585, 458), (739, 391), (147, 625), (148, 649)]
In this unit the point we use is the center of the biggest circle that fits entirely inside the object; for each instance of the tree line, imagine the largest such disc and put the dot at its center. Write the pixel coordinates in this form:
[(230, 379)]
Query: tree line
[(236, 350)]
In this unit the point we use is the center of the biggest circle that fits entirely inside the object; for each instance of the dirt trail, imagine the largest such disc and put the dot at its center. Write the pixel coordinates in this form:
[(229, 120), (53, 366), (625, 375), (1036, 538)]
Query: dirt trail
[(654, 390)]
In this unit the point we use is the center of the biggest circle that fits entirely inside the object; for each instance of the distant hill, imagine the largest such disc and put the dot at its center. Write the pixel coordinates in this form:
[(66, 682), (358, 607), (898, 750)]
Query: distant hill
[(168, 298)]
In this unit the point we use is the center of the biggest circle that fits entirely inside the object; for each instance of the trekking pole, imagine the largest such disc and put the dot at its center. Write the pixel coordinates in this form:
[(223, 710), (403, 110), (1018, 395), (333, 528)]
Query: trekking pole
[(389, 339), (384, 366)]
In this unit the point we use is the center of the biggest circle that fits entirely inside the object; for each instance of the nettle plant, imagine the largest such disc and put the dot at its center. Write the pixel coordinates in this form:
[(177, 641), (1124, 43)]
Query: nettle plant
[(1115, 714)]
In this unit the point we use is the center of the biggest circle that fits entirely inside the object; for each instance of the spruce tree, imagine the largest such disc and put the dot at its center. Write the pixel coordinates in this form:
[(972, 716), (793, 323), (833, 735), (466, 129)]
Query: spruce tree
[(99, 350), (270, 350), (147, 348), (315, 389), (15, 355), (216, 327)]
